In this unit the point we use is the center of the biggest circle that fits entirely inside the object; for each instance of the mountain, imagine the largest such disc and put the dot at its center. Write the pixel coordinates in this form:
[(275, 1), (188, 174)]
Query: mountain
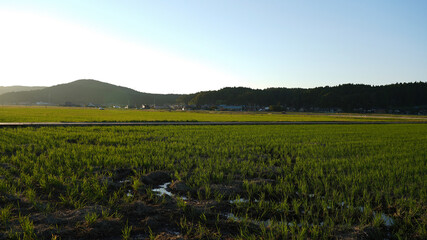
[(347, 97), (410, 97), (85, 91), (18, 89)]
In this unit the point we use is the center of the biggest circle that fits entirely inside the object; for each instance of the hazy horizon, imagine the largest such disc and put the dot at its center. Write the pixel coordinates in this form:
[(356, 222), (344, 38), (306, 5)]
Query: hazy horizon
[(191, 46)]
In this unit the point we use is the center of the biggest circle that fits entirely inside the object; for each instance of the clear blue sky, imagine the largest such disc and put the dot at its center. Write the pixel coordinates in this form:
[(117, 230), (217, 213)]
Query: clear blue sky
[(249, 43)]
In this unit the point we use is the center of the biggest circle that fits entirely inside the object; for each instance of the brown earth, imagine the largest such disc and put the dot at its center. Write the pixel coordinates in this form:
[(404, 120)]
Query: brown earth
[(158, 217)]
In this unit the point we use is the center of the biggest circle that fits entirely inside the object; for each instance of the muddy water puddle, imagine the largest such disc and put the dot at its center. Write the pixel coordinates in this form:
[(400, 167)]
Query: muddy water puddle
[(163, 190), (240, 200), (129, 194)]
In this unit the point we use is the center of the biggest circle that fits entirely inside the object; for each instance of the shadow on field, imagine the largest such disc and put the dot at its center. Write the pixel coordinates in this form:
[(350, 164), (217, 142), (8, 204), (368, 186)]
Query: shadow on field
[(146, 206)]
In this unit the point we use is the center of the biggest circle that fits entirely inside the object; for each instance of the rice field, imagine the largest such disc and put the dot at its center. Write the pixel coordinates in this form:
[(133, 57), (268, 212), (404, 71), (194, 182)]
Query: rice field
[(68, 114), (214, 182)]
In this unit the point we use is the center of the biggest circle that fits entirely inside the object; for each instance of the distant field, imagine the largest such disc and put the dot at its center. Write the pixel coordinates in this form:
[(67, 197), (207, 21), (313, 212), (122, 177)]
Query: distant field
[(63, 114), (218, 182)]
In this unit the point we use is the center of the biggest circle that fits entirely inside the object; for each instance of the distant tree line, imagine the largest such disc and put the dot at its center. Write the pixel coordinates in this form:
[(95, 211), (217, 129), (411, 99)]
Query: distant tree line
[(347, 96)]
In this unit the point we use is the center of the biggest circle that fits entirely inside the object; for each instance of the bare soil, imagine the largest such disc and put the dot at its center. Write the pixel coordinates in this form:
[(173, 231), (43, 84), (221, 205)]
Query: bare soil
[(158, 217)]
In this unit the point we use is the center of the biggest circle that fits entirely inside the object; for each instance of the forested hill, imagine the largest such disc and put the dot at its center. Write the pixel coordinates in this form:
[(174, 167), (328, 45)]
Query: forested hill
[(347, 96), (85, 91)]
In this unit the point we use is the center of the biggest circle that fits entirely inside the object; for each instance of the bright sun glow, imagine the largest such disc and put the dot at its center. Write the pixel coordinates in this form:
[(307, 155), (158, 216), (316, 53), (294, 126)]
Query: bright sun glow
[(40, 50)]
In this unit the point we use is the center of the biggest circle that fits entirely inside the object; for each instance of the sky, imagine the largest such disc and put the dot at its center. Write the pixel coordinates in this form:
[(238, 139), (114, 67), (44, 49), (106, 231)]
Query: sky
[(191, 45)]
